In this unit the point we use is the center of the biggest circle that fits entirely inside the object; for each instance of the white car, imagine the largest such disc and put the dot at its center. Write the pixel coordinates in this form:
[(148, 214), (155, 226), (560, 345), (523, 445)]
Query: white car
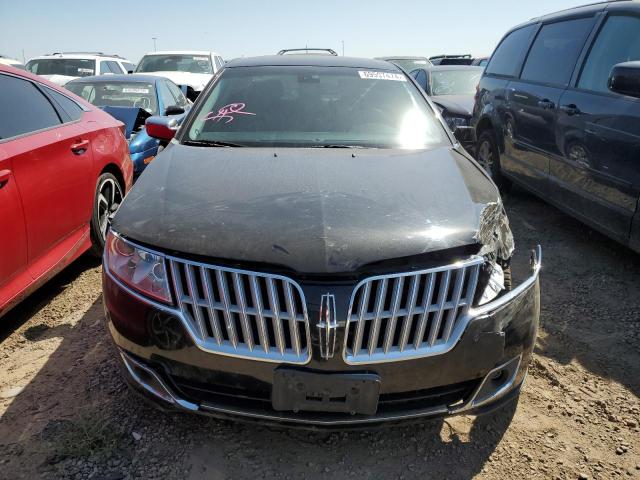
[(11, 62), (189, 68), (61, 68)]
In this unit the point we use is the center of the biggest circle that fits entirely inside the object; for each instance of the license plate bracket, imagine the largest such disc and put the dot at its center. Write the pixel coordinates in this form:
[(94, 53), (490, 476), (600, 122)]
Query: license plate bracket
[(296, 390)]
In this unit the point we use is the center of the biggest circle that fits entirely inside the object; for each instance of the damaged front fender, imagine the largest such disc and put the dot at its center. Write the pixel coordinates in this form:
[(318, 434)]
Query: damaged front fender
[(494, 233)]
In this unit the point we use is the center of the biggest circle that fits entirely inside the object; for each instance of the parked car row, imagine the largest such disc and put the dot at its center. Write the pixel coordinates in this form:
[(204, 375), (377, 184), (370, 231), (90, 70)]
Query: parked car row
[(316, 229)]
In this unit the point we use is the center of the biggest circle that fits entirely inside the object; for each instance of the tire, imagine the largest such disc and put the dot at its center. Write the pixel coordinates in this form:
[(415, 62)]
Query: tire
[(488, 156), (106, 200)]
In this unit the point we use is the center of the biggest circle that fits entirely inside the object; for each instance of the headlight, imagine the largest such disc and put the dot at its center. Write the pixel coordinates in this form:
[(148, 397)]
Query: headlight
[(455, 122), (495, 284), (137, 268)]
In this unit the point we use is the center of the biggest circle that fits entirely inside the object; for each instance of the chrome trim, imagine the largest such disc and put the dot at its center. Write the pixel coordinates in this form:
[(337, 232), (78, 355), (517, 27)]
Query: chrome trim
[(446, 316), (327, 326), (225, 298), (161, 390), (211, 345), (505, 388), (501, 301)]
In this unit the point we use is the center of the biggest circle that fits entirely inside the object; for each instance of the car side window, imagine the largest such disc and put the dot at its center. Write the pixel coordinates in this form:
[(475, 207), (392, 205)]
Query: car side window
[(166, 96), (555, 51), (508, 55), (114, 67), (71, 108), (24, 108), (181, 101), (617, 42), (421, 78), (104, 68)]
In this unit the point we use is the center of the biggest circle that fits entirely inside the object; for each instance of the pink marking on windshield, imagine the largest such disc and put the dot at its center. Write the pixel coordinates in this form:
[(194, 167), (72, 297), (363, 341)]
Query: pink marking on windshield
[(227, 113)]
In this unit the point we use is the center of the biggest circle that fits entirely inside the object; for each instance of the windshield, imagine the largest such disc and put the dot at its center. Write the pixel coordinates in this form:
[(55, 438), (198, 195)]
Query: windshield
[(70, 67), (455, 82), (409, 64), (314, 107), (103, 94), (175, 63)]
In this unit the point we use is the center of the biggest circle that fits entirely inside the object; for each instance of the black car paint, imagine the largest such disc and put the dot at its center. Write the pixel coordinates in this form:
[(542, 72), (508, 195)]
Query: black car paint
[(327, 218), (307, 210), (577, 149)]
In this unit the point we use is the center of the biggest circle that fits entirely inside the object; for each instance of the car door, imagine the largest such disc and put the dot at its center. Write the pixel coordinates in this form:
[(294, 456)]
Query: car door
[(532, 100), (52, 166), (598, 170), (13, 238)]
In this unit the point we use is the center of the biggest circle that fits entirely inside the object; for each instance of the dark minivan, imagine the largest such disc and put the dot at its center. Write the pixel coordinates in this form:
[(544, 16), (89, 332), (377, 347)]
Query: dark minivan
[(558, 112)]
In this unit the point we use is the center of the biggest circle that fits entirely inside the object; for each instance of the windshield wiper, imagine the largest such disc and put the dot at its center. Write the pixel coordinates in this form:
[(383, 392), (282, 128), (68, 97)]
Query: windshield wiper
[(211, 143)]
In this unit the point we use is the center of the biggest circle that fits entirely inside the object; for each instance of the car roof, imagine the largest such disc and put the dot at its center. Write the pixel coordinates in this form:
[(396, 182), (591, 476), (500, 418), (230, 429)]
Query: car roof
[(87, 55), (581, 10), (312, 61), (119, 78), (181, 52)]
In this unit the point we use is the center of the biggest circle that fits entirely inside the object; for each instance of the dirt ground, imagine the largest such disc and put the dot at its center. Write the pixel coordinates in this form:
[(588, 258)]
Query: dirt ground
[(66, 413)]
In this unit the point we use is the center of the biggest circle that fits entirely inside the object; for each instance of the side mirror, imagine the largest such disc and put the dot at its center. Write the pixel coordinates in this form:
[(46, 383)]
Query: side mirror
[(129, 72), (162, 128), (625, 79), (465, 135), (174, 110)]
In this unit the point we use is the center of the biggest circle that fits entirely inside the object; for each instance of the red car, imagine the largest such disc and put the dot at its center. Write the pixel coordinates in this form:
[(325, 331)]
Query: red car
[(64, 167)]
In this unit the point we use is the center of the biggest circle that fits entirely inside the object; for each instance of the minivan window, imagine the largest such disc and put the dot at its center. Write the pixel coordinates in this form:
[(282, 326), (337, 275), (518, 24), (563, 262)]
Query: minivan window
[(300, 106), (23, 108), (509, 53), (617, 42), (555, 50)]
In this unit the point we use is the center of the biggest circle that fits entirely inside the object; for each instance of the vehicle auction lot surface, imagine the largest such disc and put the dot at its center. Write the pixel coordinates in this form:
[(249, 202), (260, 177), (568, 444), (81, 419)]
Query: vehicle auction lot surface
[(578, 416)]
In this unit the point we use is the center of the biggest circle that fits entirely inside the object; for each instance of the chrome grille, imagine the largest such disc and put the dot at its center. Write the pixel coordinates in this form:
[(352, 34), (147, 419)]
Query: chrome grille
[(409, 315), (241, 313)]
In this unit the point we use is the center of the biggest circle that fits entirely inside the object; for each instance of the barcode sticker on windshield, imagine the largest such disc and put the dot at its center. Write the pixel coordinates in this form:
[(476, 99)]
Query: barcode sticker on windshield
[(373, 75), (85, 70), (135, 90), (201, 58)]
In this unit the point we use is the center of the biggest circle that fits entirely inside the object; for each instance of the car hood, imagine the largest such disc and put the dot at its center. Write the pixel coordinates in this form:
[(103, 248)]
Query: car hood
[(456, 104), (197, 81), (309, 210), (59, 79)]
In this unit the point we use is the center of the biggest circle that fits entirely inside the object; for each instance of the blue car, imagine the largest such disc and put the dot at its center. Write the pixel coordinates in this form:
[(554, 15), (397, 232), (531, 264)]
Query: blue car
[(132, 99)]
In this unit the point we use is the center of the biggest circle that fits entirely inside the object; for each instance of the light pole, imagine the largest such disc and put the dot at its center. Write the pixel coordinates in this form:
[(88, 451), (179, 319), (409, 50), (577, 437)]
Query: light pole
[(154, 43), (343, 48)]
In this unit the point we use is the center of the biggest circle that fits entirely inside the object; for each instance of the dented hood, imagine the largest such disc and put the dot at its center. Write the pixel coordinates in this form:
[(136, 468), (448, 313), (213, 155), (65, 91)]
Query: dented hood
[(310, 210)]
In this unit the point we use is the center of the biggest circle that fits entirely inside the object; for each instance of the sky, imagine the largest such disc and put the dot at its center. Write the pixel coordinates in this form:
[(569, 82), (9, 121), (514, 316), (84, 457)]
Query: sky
[(235, 28)]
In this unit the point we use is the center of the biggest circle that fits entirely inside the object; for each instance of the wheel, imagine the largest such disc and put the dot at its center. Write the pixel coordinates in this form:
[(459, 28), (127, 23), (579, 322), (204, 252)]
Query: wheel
[(488, 156), (106, 201)]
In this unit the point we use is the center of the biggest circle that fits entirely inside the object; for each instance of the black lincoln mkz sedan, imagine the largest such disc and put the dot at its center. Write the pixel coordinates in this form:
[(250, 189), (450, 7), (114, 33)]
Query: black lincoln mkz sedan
[(315, 248)]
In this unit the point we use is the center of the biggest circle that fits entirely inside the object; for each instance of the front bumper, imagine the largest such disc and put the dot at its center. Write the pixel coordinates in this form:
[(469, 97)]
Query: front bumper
[(485, 369)]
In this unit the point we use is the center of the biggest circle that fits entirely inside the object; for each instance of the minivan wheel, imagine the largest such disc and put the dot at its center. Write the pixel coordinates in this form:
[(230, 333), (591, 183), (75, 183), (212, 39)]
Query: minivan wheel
[(107, 199), (488, 156)]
